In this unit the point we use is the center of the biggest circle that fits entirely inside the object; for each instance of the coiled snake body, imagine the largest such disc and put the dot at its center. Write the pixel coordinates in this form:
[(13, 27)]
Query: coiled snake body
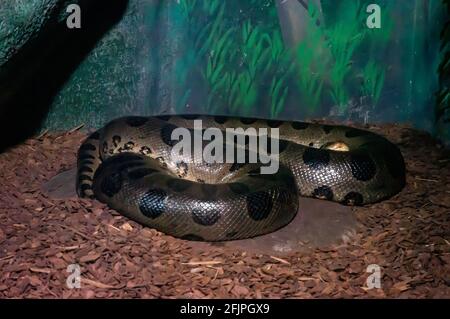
[(128, 165)]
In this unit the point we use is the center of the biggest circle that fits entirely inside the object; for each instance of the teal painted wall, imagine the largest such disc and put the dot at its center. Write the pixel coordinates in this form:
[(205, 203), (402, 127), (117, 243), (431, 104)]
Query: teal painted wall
[(259, 58)]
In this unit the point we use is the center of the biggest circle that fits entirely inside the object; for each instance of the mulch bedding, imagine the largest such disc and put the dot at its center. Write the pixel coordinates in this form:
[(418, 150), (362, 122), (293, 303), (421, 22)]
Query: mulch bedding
[(407, 236)]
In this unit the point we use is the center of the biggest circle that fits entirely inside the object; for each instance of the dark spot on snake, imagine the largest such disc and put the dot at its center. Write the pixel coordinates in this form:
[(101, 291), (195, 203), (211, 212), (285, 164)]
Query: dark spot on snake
[(248, 120), (299, 125), (178, 185), (355, 133), (164, 117), (166, 134), (323, 192), (259, 205), (85, 156), (151, 204), (85, 187), (199, 180), (239, 188), (87, 147), (141, 172), (353, 198), (95, 135), (205, 217), (183, 165), (116, 140), (136, 121), (192, 237), (128, 146), (182, 169), (236, 166), (85, 169), (327, 129), (316, 158), (84, 177), (145, 150), (231, 234), (220, 119), (363, 167), (311, 144), (274, 124), (209, 190), (111, 184), (161, 162), (190, 116), (86, 192)]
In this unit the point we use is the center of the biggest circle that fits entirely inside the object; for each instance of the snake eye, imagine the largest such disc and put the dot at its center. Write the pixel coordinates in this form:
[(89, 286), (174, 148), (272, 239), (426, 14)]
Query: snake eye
[(336, 146)]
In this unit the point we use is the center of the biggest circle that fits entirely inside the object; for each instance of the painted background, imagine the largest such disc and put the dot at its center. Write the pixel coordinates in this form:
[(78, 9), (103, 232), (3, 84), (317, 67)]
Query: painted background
[(269, 58)]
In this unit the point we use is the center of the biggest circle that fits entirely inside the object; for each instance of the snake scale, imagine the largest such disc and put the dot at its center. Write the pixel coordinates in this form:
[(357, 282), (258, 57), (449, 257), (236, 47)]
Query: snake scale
[(128, 165)]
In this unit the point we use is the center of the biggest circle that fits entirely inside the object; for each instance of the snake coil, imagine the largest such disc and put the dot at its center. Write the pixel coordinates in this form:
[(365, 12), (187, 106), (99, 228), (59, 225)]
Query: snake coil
[(128, 165)]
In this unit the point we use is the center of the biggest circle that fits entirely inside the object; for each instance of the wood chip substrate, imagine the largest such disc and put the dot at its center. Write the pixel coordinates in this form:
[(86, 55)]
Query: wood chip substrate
[(44, 241)]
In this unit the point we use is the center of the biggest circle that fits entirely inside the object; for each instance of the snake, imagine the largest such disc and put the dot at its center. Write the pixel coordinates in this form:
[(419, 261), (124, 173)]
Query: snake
[(130, 165)]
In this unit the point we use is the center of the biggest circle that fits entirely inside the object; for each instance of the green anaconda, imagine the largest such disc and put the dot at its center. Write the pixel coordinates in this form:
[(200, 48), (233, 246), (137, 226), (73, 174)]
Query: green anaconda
[(129, 165)]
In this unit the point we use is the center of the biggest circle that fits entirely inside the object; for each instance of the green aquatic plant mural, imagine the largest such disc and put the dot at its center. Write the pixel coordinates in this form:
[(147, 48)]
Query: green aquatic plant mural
[(373, 81), (311, 64), (344, 38), (270, 58), (335, 47), (246, 66), (235, 61)]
